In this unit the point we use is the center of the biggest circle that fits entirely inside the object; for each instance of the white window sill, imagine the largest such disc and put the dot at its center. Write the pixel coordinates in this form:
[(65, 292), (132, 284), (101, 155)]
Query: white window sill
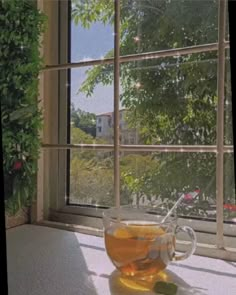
[(48, 261)]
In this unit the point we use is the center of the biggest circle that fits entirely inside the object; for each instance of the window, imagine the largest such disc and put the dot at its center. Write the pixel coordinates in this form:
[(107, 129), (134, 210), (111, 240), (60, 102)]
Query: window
[(99, 120), (132, 141), (109, 121), (169, 68)]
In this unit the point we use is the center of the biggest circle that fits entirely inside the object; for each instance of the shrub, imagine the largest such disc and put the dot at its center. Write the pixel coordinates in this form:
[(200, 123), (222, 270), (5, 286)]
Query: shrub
[(21, 25)]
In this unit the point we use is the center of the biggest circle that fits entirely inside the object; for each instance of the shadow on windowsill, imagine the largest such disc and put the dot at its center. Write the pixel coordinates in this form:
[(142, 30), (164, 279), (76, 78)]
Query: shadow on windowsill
[(218, 273)]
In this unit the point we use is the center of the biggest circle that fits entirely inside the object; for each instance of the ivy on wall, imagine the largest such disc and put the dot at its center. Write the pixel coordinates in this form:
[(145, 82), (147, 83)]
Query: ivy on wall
[(21, 25)]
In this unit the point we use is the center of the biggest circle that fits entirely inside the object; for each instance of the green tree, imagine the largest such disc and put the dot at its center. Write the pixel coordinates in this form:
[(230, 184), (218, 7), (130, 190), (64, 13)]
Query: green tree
[(89, 170), (91, 181), (75, 120), (78, 136), (136, 177), (83, 120)]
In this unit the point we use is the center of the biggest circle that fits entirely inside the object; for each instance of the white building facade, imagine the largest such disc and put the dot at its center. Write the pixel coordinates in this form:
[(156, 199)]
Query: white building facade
[(105, 124)]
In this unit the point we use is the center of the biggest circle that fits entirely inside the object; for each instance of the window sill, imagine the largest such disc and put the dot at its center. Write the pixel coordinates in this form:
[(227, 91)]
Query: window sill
[(92, 217), (77, 219), (45, 261), (205, 246)]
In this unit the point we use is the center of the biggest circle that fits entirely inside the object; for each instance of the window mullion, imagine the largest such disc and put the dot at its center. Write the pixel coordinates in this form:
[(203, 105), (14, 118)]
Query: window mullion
[(138, 57), (116, 102), (141, 148), (220, 124), (37, 212)]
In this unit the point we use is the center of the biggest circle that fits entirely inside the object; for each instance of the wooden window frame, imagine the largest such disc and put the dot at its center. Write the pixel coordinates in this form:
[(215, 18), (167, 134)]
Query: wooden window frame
[(51, 205)]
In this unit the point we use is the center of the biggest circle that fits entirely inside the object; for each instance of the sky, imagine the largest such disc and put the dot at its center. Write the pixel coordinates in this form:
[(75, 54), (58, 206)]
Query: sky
[(91, 43)]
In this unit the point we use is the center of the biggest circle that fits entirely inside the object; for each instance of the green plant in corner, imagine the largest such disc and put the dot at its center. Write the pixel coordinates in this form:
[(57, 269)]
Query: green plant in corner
[(21, 26)]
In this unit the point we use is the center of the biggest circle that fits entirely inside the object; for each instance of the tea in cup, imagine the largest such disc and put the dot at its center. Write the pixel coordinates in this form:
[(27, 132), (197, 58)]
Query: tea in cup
[(139, 244)]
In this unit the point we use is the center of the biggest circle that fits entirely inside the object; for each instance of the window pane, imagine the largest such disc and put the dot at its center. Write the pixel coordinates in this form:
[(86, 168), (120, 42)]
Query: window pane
[(171, 100), (91, 178), (229, 189), (145, 26), (91, 30), (227, 23), (228, 138), (163, 101), (165, 24), (91, 117), (152, 178), (91, 113)]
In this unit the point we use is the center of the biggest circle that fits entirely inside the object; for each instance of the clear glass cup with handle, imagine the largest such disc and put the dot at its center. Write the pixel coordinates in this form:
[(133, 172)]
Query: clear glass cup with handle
[(139, 243)]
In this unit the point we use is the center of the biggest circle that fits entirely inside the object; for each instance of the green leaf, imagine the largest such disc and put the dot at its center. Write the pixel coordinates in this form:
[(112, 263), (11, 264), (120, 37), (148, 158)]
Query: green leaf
[(165, 288)]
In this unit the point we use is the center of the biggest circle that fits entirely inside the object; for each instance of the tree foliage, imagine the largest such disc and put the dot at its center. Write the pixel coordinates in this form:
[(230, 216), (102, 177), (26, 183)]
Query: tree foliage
[(172, 100), (84, 120), (92, 181), (90, 170), (177, 96)]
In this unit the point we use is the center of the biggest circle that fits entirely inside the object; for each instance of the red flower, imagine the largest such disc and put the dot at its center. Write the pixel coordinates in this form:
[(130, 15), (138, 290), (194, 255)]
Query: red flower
[(230, 207), (17, 165), (188, 197)]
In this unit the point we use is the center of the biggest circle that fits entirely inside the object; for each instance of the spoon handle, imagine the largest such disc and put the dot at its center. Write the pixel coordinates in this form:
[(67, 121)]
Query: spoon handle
[(172, 209)]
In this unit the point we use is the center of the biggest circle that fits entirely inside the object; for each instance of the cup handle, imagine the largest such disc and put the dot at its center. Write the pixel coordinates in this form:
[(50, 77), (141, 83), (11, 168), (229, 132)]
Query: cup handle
[(188, 230)]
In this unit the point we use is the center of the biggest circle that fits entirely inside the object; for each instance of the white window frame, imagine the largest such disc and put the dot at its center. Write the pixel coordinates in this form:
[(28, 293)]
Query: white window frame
[(51, 203)]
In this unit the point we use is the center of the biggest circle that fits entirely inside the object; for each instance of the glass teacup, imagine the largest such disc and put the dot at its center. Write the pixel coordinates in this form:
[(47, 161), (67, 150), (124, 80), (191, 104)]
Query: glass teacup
[(139, 243)]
